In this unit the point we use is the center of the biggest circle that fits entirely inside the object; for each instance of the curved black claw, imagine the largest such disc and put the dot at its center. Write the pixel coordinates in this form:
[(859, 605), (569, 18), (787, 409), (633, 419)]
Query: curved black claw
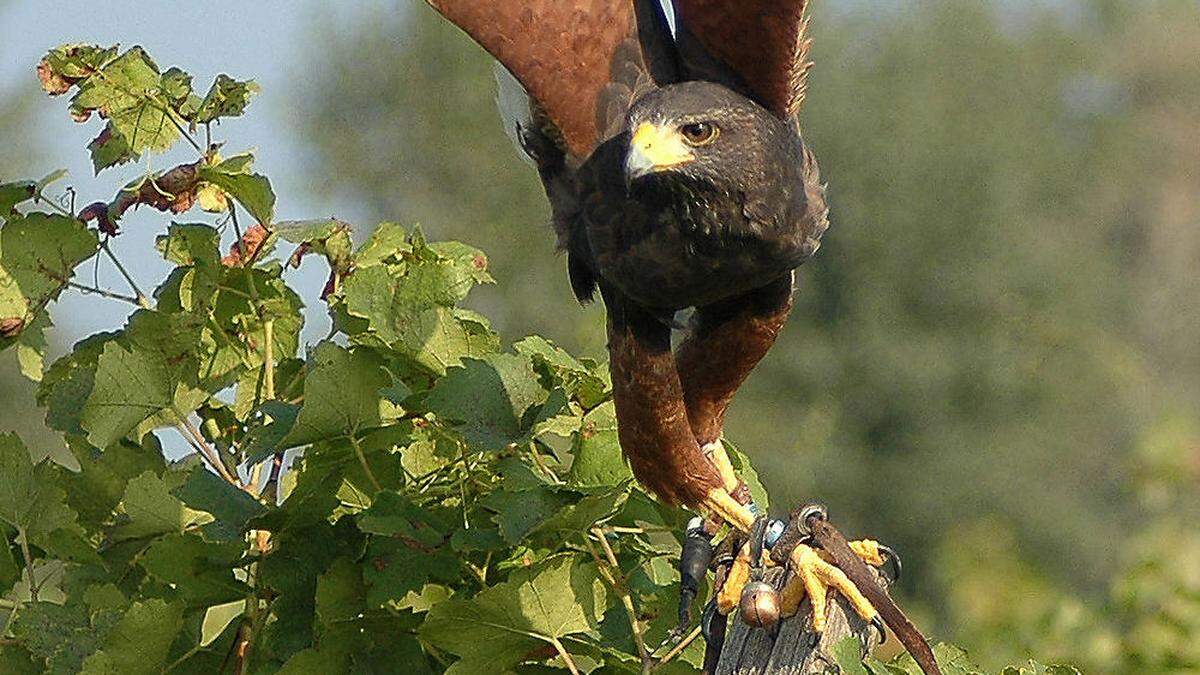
[(877, 624), (708, 620), (892, 562), (757, 542)]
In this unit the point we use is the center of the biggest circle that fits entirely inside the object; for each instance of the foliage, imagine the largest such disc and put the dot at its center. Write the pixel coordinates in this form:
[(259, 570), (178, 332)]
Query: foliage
[(407, 491)]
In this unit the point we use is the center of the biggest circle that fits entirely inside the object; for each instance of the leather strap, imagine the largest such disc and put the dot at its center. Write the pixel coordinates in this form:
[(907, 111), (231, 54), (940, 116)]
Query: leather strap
[(832, 542)]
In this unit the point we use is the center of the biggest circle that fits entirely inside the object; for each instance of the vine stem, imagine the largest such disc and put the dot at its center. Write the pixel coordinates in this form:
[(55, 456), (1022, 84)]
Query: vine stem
[(614, 578), (269, 358), (566, 656), (362, 459), (678, 649), (268, 386), (142, 301), (33, 586), (104, 293), (192, 435)]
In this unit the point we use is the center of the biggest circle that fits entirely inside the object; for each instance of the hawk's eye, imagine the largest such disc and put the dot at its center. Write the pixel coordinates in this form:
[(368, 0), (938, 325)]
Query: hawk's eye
[(699, 133)]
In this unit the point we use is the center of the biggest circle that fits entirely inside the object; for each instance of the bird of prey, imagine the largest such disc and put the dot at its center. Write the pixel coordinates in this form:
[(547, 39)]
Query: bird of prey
[(678, 178)]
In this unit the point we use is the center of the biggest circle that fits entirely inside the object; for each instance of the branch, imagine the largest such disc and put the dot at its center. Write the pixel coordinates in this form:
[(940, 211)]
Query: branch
[(612, 574)]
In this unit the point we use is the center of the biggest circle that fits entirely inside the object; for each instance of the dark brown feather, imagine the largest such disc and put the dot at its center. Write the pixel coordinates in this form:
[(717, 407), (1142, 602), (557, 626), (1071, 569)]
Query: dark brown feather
[(653, 425), (726, 341), (763, 44)]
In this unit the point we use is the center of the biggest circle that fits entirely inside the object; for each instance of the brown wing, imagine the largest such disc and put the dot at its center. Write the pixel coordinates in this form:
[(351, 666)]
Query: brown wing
[(567, 53), (763, 44)]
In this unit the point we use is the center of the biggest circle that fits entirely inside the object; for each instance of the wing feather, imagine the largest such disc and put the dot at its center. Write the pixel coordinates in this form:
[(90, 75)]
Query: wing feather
[(759, 46), (568, 54)]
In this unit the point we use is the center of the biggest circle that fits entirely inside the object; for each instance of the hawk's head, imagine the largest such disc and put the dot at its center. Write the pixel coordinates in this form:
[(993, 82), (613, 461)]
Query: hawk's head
[(704, 133)]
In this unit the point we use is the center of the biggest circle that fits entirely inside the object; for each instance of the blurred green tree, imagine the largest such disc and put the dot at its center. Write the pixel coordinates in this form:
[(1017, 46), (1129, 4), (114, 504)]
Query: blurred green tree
[(994, 324)]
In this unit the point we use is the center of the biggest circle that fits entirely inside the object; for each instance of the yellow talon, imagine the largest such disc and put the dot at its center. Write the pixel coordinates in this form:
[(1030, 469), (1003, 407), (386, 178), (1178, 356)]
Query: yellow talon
[(868, 550), (720, 459), (813, 576), (724, 508), (735, 581)]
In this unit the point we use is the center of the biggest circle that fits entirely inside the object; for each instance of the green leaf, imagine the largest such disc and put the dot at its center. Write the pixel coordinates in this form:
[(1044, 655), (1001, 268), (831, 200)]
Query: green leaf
[(741, 464), (110, 148), (201, 571), (62, 635), (226, 98), (328, 237), (38, 254), (849, 658), (190, 244), (598, 459), (150, 509), (341, 395), (486, 399), (232, 509), (583, 514), (393, 515), (131, 384), (497, 628), (31, 348), (397, 566), (12, 194), (30, 497), (388, 244), (408, 305), (140, 641), (20, 488), (78, 60), (253, 191), (519, 513), (127, 92), (98, 487), (266, 434)]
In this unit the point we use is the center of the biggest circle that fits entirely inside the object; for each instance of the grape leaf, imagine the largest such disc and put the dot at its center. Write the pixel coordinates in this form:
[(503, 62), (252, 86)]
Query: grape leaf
[(341, 395), (131, 384), (12, 194), (486, 399), (598, 459), (126, 91), (497, 628), (253, 191), (150, 509), (140, 641), (201, 571), (38, 254), (226, 98)]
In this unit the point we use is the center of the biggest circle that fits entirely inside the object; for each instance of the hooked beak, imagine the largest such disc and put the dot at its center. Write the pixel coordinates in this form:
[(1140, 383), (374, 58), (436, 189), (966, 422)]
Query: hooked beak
[(653, 148)]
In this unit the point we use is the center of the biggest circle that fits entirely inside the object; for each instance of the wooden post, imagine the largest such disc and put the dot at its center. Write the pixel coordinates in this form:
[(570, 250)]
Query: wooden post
[(790, 648)]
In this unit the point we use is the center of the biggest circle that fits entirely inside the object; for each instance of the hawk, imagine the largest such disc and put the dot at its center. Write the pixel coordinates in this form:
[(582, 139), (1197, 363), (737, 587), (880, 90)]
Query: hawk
[(678, 178)]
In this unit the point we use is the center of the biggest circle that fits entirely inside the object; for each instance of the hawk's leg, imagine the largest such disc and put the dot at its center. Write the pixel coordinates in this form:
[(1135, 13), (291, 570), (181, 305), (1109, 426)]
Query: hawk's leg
[(726, 340), (653, 426)]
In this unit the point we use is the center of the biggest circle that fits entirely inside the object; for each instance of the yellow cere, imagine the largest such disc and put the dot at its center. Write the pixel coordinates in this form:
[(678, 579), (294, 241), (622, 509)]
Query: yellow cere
[(660, 147)]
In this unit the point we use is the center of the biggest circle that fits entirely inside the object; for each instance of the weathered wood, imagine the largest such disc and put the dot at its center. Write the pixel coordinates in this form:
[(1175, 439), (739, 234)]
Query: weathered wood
[(790, 648)]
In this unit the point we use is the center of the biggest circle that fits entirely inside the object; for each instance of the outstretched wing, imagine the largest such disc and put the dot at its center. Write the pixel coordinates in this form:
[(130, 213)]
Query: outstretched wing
[(581, 60), (761, 47)]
